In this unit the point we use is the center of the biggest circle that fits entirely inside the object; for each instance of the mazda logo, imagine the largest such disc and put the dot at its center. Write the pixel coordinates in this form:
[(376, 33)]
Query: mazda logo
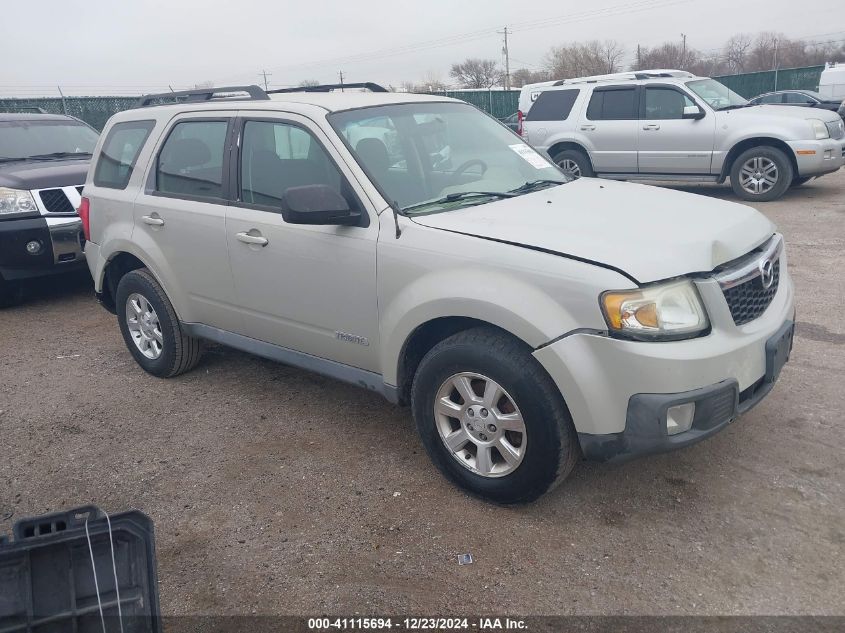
[(767, 273)]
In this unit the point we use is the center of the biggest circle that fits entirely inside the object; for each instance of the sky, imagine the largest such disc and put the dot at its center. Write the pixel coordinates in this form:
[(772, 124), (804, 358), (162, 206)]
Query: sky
[(127, 47)]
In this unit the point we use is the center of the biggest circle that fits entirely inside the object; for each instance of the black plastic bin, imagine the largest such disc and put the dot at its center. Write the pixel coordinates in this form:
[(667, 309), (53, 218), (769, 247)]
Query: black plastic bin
[(47, 584)]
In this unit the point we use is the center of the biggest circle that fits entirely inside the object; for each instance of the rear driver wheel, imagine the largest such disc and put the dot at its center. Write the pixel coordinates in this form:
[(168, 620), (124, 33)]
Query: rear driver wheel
[(151, 329)]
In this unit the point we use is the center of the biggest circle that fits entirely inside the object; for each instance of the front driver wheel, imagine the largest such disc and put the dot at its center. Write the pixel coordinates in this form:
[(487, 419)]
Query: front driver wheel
[(491, 419), (11, 293), (151, 329)]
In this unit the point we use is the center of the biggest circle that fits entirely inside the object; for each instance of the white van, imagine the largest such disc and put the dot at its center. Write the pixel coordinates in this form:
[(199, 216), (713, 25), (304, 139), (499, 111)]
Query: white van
[(832, 81)]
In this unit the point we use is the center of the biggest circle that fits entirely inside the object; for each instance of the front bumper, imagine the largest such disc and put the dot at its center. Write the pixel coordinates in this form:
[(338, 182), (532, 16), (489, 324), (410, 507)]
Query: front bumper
[(716, 406), (60, 247), (603, 379), (815, 158)]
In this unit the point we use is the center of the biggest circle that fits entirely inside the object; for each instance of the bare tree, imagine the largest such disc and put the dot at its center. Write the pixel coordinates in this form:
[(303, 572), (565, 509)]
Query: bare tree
[(476, 73), (582, 59), (735, 53), (203, 85), (308, 83), (523, 76)]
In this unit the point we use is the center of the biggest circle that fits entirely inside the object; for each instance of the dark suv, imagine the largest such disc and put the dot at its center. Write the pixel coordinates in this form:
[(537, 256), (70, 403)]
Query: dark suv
[(43, 163)]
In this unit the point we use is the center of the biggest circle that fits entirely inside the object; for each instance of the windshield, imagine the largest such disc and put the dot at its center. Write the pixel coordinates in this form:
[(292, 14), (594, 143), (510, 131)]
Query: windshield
[(428, 157), (23, 139), (718, 95)]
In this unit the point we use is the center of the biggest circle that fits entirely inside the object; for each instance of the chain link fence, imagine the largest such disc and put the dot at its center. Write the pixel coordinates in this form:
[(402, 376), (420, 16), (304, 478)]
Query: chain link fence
[(750, 85), (95, 111)]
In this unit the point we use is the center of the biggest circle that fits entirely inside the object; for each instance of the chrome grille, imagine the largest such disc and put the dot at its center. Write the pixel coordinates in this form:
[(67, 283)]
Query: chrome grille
[(750, 285), (55, 201), (836, 129)]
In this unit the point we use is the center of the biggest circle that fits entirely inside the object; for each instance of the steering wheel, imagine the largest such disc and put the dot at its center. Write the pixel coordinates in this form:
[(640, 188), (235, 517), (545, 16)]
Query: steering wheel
[(466, 165)]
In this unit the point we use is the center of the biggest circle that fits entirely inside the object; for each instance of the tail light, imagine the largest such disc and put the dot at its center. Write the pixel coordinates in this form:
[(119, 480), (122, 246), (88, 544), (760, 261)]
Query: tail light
[(84, 211), (519, 119)]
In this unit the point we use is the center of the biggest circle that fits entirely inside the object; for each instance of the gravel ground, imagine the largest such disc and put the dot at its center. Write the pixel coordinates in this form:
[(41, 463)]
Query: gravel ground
[(276, 491)]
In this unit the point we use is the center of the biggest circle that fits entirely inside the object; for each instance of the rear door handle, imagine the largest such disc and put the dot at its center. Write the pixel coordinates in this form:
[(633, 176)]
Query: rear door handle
[(152, 220), (651, 126), (587, 128), (246, 238)]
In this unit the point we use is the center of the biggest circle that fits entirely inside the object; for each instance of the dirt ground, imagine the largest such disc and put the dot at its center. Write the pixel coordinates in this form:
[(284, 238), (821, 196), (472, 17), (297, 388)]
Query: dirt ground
[(275, 491)]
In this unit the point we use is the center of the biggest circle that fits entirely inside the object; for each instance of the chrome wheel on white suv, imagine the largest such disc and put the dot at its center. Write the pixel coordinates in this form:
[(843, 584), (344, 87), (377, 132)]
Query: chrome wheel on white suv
[(480, 424)]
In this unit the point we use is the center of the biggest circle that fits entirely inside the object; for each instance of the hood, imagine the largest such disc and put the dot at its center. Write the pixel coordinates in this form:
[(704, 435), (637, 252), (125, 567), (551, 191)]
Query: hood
[(647, 232), (782, 111), (43, 174)]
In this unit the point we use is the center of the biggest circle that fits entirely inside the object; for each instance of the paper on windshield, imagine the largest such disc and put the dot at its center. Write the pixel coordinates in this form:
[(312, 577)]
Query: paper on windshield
[(530, 156)]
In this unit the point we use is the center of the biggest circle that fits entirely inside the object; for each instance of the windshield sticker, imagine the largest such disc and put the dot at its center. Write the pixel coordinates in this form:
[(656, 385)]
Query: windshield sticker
[(530, 156)]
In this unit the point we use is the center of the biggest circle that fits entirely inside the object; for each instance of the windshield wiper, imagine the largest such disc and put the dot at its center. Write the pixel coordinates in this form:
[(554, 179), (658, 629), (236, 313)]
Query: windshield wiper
[(59, 155), (735, 106), (461, 195), (533, 185)]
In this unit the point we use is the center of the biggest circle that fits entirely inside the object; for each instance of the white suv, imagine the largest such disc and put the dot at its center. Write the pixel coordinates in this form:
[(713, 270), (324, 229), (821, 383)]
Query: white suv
[(671, 125), (416, 247)]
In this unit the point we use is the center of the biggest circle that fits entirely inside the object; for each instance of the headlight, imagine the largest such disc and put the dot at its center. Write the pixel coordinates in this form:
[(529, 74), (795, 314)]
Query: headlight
[(16, 202), (669, 310), (819, 129)]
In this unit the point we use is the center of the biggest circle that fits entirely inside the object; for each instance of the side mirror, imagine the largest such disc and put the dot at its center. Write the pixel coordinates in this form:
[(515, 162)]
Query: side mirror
[(317, 204), (693, 112)]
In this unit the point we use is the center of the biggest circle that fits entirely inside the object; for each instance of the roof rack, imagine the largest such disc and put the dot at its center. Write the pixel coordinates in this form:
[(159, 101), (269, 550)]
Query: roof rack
[(329, 87), (204, 94), (630, 76)]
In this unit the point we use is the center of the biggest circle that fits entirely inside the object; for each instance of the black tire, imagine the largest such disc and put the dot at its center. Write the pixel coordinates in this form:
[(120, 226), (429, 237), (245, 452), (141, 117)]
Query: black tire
[(179, 352), (797, 182), (11, 293), (552, 447), (579, 158), (784, 176)]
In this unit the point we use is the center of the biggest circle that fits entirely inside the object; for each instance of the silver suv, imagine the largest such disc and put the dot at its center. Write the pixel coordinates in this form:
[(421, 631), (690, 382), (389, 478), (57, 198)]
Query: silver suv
[(417, 247), (671, 125)]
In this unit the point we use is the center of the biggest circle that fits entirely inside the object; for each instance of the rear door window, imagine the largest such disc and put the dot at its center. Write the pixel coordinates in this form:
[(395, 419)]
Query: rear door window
[(776, 98), (613, 104), (119, 153), (797, 98), (552, 105), (190, 163)]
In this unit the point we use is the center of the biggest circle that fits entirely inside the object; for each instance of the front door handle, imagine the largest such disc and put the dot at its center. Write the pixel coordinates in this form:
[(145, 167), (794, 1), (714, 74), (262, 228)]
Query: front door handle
[(588, 128), (651, 126), (246, 238), (152, 220)]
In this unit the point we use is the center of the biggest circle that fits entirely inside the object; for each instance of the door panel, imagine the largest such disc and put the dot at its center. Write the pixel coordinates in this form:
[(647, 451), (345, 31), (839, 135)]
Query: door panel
[(182, 215), (668, 143), (609, 126), (307, 288)]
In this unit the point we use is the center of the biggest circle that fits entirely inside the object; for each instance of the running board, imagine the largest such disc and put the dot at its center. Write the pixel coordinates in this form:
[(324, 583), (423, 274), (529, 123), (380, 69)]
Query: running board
[(662, 177)]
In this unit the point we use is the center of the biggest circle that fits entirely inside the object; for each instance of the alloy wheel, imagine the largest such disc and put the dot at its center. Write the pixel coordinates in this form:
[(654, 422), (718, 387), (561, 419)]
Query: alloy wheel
[(480, 424), (570, 168), (758, 175), (144, 326)]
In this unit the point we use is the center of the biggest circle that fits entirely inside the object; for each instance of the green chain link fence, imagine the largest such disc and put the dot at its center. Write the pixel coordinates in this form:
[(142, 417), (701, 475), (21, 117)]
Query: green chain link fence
[(500, 103), (95, 111), (750, 85)]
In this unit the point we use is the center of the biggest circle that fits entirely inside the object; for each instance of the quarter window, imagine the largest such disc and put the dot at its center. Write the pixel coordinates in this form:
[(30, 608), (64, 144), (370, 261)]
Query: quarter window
[(552, 105), (613, 105), (191, 161), (278, 156), (119, 153), (665, 103)]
